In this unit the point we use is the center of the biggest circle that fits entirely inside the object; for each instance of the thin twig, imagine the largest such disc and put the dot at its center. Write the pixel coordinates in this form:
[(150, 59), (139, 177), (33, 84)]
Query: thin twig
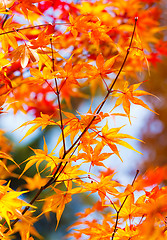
[(54, 177), (35, 26), (58, 99), (110, 89), (118, 211), (5, 19)]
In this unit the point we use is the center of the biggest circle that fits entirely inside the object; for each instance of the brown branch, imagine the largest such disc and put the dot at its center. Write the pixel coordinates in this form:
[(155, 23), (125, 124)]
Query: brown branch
[(58, 99), (110, 89), (54, 177), (35, 26), (118, 211)]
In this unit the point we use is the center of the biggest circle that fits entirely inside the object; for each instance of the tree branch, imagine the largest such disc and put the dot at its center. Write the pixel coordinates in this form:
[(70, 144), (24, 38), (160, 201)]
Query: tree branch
[(118, 211), (55, 176), (35, 26), (58, 99), (108, 93)]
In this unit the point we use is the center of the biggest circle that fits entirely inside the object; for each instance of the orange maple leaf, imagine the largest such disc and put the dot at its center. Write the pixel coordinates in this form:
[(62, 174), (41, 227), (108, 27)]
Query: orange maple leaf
[(94, 156), (111, 137), (105, 186), (97, 75), (80, 23), (9, 39), (42, 121), (69, 73), (27, 5), (24, 53), (40, 156), (128, 95)]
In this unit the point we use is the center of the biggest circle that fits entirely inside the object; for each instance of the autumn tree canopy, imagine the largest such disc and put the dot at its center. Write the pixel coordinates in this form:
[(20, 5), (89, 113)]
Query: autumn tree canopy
[(54, 56)]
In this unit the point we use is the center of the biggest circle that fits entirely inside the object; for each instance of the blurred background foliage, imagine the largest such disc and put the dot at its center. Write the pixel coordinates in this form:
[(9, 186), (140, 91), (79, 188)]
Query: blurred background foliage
[(154, 134)]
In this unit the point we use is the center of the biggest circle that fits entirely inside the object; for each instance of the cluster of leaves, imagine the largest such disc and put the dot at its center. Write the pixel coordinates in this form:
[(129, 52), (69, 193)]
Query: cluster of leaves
[(88, 47)]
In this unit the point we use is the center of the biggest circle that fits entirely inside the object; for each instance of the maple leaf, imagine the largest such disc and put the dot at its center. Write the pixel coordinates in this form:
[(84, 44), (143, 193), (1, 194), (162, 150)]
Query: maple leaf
[(41, 41), (148, 179), (40, 78), (104, 186), (130, 95), (128, 191), (80, 23), (153, 204), (42, 121), (9, 39), (99, 33), (91, 25), (111, 137), (3, 63), (98, 206), (161, 47), (27, 5), (71, 173), (69, 74), (154, 59), (96, 8), (10, 204), (56, 203), (44, 59), (5, 84), (93, 229), (24, 53), (35, 182), (129, 232), (97, 75), (73, 93), (25, 228), (105, 67), (40, 156), (129, 209), (6, 4), (94, 156), (6, 156), (74, 125), (44, 53)]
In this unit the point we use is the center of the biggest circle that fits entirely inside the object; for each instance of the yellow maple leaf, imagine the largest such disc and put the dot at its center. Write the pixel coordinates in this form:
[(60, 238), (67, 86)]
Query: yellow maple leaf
[(42, 121), (8, 39), (35, 182), (56, 203), (10, 204), (6, 156), (40, 156), (25, 228), (111, 137)]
